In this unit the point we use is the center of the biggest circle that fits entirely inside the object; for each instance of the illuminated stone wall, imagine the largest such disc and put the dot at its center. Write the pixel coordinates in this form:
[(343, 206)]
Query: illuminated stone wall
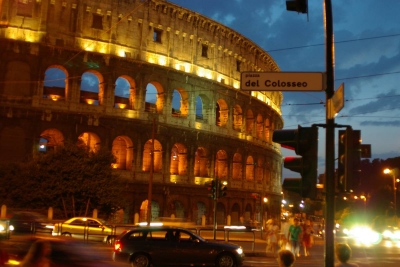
[(143, 42)]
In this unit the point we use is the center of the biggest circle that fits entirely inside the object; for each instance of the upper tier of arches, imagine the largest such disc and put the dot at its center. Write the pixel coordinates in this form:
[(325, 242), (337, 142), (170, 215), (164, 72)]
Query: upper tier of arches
[(153, 31)]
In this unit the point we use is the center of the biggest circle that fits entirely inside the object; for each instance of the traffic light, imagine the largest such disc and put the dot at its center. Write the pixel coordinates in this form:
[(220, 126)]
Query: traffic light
[(304, 141), (222, 188), (212, 189), (349, 159), (300, 6)]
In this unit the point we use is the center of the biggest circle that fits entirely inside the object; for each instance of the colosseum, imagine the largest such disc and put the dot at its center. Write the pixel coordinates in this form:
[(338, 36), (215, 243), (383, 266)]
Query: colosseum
[(156, 84)]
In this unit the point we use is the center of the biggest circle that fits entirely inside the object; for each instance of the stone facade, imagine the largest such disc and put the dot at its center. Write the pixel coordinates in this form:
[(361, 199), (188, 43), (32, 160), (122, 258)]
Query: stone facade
[(216, 131)]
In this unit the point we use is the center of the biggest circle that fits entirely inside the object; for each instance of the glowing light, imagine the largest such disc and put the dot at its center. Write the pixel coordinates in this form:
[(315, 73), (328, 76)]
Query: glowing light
[(365, 236), (55, 97), (235, 227), (121, 53), (90, 101), (162, 60), (151, 224), (120, 105), (87, 45), (200, 72)]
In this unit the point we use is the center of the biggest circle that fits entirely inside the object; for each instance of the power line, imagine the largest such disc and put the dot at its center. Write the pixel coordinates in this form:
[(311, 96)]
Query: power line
[(337, 42)]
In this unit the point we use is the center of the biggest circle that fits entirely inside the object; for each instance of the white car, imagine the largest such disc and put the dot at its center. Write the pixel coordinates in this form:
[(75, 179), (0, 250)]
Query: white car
[(85, 228)]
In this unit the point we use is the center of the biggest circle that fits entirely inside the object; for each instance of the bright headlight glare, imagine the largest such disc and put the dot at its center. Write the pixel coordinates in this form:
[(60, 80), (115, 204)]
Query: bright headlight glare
[(396, 235), (387, 234), (239, 251), (1, 227), (366, 236), (11, 227)]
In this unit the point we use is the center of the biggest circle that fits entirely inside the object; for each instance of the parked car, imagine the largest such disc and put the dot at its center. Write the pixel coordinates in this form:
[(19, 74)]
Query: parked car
[(29, 221), (85, 228), (173, 246)]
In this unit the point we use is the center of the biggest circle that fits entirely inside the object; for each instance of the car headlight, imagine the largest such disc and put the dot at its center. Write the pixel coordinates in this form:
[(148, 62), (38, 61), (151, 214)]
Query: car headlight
[(11, 227), (366, 236), (239, 251), (387, 234), (1, 228)]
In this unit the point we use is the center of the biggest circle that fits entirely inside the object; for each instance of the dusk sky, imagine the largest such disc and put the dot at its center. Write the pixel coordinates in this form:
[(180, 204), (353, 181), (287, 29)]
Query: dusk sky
[(367, 61)]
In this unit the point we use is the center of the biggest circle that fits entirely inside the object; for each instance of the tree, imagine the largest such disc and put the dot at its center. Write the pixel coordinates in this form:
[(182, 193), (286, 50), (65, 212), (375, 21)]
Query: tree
[(70, 178)]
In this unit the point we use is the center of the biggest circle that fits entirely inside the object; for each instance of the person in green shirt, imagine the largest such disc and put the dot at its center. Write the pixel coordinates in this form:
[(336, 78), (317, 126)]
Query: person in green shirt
[(294, 236)]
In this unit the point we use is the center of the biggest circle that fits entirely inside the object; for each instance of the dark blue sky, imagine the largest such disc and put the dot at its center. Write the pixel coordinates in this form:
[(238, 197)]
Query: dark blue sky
[(367, 60)]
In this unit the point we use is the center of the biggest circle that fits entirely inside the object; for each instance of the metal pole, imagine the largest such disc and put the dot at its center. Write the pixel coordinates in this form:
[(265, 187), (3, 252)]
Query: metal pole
[(330, 140), (150, 192), (394, 194), (215, 208)]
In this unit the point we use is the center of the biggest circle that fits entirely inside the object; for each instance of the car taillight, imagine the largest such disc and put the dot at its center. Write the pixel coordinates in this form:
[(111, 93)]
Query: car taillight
[(117, 246)]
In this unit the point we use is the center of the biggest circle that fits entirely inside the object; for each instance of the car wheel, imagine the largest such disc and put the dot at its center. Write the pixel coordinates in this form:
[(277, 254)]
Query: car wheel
[(225, 260), (140, 260)]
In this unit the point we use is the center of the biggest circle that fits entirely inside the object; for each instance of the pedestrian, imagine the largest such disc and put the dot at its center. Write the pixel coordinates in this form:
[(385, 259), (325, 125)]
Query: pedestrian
[(295, 237), (285, 258), (343, 254), (307, 235), (272, 238), (38, 255)]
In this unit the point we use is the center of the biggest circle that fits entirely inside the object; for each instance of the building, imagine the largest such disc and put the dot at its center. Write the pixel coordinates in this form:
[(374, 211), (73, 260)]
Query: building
[(140, 77)]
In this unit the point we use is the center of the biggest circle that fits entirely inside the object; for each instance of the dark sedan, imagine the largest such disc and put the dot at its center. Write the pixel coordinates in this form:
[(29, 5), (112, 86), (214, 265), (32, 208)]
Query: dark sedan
[(28, 221), (161, 246)]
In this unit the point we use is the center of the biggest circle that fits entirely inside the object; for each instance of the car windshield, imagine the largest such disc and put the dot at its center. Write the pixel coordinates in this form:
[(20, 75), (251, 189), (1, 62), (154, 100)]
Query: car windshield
[(199, 237)]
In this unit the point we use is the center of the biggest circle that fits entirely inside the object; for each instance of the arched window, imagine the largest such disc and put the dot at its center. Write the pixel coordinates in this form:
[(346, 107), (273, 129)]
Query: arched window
[(122, 148), (249, 122), (50, 139), (154, 100), (259, 127), (237, 118), (157, 163), (237, 171), (250, 169), (201, 163), (221, 165), (124, 87), (92, 88), (178, 159), (90, 140), (221, 113), (199, 108), (54, 83)]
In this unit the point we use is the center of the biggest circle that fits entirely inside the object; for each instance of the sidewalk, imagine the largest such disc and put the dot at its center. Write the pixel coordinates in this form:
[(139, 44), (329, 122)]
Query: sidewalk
[(259, 248)]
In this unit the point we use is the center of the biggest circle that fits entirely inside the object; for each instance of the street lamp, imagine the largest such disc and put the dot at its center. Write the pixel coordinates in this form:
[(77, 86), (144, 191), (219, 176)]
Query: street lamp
[(263, 210), (394, 173), (365, 203)]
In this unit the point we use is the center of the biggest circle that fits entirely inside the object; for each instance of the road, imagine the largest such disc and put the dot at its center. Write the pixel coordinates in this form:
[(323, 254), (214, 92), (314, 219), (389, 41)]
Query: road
[(385, 254), (380, 255)]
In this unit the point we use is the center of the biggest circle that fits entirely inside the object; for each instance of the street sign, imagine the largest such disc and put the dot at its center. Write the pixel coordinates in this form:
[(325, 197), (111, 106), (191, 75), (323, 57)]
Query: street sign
[(283, 81), (336, 103)]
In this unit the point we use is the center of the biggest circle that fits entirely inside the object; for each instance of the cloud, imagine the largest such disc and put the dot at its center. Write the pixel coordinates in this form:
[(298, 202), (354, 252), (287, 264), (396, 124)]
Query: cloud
[(381, 123)]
